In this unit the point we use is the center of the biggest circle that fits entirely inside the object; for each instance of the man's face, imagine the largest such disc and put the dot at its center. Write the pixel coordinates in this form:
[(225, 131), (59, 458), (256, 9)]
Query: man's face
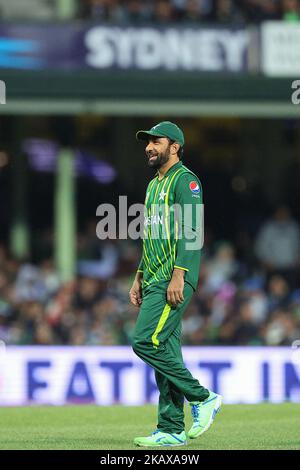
[(158, 151)]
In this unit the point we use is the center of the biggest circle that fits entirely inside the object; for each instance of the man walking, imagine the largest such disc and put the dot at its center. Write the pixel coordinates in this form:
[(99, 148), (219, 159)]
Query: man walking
[(165, 281)]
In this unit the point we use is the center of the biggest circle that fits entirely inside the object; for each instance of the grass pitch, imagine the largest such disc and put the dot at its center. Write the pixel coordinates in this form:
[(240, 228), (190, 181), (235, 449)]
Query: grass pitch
[(264, 426)]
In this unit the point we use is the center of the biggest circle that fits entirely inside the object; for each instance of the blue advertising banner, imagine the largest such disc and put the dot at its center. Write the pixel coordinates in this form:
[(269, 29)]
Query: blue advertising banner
[(102, 47), (57, 375)]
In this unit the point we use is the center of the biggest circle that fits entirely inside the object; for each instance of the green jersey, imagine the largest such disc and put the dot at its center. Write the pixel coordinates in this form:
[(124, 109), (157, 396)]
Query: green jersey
[(172, 226)]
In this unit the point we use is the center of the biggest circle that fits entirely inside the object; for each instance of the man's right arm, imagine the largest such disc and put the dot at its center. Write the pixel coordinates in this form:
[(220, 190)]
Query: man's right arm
[(140, 268), (135, 292)]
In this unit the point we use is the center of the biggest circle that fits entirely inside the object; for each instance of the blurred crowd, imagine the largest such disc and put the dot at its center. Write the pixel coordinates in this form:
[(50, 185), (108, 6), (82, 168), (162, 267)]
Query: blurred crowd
[(250, 298), (190, 11), (155, 11)]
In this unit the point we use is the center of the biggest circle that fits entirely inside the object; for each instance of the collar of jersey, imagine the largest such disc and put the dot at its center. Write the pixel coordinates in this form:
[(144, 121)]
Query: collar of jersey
[(170, 170)]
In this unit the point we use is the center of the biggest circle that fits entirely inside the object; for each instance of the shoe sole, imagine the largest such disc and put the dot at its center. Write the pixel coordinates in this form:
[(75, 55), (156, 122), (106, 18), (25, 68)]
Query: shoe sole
[(215, 411), (162, 445)]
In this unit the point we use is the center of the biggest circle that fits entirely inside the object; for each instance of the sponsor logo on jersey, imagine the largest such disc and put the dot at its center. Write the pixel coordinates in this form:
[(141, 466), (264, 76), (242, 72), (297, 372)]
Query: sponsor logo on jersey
[(194, 187)]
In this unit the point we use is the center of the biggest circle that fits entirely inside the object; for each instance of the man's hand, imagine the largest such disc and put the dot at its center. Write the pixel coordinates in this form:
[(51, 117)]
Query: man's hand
[(175, 287), (135, 293)]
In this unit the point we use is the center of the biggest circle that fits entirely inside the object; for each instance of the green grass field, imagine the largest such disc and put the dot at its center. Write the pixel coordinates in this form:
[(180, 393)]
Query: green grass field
[(264, 426)]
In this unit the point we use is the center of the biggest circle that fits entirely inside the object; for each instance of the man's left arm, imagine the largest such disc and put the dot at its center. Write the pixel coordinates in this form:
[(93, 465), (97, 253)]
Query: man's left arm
[(188, 198)]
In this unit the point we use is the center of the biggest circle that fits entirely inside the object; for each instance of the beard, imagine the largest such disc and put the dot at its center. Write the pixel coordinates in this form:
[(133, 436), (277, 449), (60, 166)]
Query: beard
[(159, 159)]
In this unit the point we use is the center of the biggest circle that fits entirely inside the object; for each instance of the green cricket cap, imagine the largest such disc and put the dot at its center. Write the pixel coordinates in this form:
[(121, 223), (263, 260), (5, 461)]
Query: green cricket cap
[(163, 129)]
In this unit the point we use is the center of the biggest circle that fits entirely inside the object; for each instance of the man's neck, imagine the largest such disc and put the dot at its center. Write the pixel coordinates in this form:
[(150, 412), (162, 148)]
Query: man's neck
[(164, 168)]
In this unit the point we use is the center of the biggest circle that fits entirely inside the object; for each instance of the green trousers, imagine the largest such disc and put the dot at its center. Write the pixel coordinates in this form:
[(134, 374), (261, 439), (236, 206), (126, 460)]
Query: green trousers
[(157, 342)]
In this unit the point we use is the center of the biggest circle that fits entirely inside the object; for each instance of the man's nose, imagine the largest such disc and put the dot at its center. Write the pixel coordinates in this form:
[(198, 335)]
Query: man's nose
[(149, 147)]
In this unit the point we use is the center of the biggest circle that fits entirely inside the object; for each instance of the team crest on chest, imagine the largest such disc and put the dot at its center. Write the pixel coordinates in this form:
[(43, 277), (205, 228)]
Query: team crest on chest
[(162, 195)]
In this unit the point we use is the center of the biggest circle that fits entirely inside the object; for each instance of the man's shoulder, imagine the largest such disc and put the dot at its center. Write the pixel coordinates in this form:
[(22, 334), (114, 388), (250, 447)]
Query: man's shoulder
[(186, 174), (188, 184)]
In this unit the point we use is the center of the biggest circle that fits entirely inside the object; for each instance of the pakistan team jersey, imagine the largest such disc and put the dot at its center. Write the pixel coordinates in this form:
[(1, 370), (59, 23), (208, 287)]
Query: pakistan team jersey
[(172, 226)]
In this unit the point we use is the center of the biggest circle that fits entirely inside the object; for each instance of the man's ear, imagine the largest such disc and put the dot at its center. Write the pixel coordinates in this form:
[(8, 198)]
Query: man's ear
[(176, 148)]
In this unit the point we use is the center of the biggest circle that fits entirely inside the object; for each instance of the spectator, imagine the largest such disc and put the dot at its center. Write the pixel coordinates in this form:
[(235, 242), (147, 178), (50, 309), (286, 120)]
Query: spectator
[(245, 328), (193, 12), (103, 10), (29, 285), (221, 303), (137, 11), (221, 267), (277, 246), (257, 298), (255, 11), (103, 268), (290, 10), (164, 12), (282, 330), (278, 293), (225, 11), (192, 323)]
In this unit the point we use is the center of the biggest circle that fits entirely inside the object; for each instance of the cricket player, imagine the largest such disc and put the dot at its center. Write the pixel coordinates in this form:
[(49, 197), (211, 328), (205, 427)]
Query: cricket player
[(165, 281)]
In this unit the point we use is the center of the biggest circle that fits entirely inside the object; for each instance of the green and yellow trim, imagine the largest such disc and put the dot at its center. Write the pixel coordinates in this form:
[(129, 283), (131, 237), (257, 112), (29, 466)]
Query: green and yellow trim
[(180, 267), (167, 213), (160, 325)]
